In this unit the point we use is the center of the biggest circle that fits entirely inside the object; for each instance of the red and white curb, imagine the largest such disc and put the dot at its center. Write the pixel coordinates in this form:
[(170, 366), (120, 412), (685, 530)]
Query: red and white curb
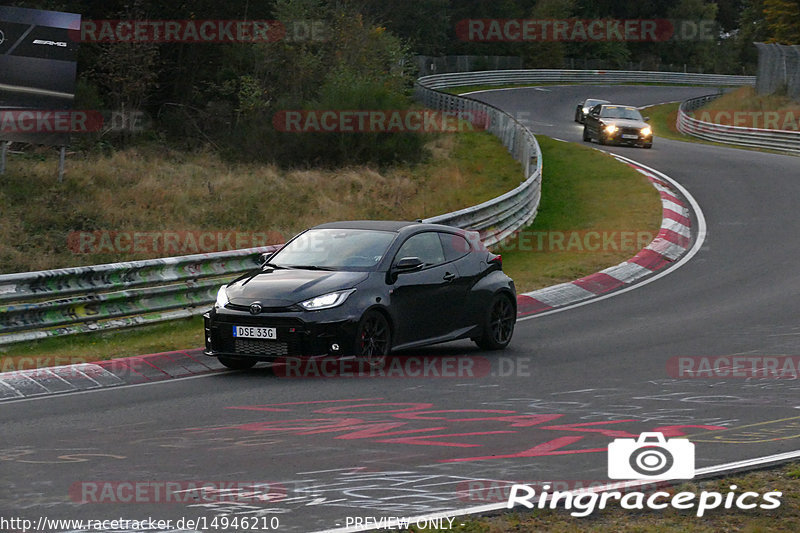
[(102, 374), (673, 240)]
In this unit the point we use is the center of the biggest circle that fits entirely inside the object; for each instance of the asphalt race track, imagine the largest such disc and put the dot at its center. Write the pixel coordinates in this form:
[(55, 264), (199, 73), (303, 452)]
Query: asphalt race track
[(325, 450)]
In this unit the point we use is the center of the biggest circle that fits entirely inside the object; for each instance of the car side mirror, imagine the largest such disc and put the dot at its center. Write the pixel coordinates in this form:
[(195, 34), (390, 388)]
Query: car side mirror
[(647, 119), (265, 257), (408, 264)]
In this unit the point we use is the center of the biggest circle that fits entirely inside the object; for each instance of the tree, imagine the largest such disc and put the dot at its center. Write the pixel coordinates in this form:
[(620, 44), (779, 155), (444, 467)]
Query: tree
[(783, 21)]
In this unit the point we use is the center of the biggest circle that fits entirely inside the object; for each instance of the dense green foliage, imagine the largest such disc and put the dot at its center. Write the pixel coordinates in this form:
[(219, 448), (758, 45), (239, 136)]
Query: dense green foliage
[(226, 95)]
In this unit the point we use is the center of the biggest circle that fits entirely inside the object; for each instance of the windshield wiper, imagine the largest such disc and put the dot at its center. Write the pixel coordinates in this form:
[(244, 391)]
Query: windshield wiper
[(311, 267)]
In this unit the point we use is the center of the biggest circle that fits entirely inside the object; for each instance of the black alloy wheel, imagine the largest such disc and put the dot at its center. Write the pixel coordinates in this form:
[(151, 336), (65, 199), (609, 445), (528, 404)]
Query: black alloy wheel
[(499, 325), (374, 337)]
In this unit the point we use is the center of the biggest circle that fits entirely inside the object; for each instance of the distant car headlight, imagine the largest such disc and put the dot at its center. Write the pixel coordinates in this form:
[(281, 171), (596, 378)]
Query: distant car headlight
[(585, 109), (327, 301), (611, 128), (222, 297), (646, 131)]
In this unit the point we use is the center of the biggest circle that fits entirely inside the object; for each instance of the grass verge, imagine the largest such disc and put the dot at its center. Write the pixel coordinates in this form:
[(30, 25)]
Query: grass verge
[(785, 519), (583, 190)]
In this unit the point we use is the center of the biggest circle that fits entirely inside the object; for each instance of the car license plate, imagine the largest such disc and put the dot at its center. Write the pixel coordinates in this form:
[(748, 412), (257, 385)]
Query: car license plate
[(629, 136), (252, 332)]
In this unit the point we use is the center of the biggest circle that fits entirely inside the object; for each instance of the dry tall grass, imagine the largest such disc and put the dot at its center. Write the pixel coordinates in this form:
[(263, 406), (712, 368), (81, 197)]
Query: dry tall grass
[(156, 189)]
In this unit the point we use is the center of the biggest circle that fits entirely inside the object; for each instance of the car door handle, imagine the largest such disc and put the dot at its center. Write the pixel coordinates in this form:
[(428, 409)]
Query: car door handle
[(449, 276)]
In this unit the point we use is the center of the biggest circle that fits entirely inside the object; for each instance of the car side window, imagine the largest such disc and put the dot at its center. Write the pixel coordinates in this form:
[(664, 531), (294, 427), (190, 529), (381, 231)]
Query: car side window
[(427, 246), (455, 246), (595, 110)]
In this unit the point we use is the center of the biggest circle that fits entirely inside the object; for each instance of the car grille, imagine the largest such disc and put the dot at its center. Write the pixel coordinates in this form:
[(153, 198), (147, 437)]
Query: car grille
[(237, 307), (630, 131), (267, 347)]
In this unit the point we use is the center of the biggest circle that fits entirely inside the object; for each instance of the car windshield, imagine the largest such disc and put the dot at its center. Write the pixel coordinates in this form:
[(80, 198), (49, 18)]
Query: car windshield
[(592, 103), (612, 111), (334, 249)]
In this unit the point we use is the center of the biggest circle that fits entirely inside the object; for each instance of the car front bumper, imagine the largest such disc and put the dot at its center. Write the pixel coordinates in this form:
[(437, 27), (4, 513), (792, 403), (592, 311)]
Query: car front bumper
[(627, 137), (297, 335)]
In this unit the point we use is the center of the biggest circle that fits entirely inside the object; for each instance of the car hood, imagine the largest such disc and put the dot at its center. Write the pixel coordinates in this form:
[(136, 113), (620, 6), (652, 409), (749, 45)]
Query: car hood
[(284, 287), (624, 122)]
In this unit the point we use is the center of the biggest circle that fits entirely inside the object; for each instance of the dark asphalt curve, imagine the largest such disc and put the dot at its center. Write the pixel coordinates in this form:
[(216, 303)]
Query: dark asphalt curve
[(322, 453)]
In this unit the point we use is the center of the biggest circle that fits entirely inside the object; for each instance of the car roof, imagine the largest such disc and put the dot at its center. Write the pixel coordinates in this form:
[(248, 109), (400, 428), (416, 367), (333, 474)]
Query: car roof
[(381, 225), (397, 226)]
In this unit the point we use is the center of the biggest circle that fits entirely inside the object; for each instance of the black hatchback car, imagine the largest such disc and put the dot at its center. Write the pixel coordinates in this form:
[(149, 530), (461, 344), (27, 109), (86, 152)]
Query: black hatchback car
[(363, 288), (617, 124)]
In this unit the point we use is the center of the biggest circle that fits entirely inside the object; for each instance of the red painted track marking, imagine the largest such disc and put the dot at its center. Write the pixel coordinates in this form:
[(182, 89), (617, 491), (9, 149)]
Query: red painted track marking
[(650, 259), (598, 283)]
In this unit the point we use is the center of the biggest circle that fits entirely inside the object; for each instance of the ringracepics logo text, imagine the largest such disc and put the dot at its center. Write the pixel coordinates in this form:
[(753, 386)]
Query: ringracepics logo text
[(649, 457), (585, 503)]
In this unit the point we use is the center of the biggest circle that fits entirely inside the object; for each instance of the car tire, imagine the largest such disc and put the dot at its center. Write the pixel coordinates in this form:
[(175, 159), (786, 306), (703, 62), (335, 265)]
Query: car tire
[(237, 364), (498, 325), (373, 340), (648, 145), (586, 137)]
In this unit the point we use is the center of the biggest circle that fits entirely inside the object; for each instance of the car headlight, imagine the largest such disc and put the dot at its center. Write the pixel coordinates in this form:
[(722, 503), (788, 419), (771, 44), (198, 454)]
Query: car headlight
[(611, 128), (326, 301), (222, 297), (585, 109), (646, 131)]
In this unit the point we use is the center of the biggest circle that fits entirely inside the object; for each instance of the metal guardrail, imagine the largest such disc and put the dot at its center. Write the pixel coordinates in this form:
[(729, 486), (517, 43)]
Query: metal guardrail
[(518, 77), (35, 305), (780, 140), (67, 301), (499, 218)]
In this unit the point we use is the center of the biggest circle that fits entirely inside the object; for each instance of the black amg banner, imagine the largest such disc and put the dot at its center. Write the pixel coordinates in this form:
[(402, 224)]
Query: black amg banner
[(37, 72)]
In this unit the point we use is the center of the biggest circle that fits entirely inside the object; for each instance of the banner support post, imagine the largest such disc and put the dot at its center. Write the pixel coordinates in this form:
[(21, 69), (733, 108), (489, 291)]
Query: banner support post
[(61, 158), (3, 152)]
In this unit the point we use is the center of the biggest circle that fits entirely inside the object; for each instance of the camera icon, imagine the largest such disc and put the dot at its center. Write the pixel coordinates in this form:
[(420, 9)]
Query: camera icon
[(651, 456)]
